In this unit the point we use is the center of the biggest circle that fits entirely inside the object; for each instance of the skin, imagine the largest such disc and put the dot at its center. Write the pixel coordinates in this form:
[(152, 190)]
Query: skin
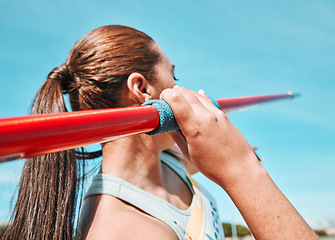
[(230, 162), (136, 159)]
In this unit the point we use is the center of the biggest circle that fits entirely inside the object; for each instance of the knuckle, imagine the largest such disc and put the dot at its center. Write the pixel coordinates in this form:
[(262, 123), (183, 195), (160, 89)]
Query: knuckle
[(195, 133), (183, 89), (211, 118), (174, 97), (165, 93)]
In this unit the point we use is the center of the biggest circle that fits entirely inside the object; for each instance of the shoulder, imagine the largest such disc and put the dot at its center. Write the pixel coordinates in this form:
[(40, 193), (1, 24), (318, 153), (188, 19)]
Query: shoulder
[(106, 217)]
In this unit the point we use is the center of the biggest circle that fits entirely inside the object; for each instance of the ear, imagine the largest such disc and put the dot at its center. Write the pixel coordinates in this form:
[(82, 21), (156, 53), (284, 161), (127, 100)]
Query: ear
[(138, 87)]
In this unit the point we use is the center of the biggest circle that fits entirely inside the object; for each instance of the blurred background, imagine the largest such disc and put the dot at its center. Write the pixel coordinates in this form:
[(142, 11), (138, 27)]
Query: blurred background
[(227, 48)]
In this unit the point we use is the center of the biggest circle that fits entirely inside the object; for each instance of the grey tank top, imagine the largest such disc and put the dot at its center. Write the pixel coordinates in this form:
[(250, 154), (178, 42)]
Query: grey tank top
[(176, 218)]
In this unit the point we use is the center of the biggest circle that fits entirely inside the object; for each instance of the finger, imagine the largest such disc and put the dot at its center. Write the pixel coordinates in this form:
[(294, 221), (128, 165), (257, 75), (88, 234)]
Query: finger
[(206, 101), (188, 108), (181, 107), (202, 92), (197, 102)]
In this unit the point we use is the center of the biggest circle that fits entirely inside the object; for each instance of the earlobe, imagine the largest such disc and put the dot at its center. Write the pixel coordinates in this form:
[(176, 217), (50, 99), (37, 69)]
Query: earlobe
[(138, 87)]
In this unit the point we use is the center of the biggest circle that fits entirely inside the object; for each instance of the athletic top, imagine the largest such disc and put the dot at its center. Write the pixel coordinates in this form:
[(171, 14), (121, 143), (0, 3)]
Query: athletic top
[(185, 226)]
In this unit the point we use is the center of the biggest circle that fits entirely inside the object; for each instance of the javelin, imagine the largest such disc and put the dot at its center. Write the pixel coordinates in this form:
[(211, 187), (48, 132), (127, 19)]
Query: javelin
[(29, 136)]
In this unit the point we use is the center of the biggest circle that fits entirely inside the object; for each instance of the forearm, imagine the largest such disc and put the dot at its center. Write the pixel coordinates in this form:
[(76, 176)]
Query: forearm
[(264, 207), (221, 153)]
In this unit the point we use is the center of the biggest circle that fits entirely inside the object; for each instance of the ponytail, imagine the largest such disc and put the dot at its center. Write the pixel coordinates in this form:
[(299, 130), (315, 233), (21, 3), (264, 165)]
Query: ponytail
[(48, 189), (49, 98), (94, 76)]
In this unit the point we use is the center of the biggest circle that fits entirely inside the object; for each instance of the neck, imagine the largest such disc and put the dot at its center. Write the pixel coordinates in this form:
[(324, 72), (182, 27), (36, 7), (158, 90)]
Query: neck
[(134, 159), (137, 160)]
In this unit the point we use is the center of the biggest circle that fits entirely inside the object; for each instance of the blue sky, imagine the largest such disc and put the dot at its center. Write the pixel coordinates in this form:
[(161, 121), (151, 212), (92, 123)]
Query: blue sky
[(227, 48)]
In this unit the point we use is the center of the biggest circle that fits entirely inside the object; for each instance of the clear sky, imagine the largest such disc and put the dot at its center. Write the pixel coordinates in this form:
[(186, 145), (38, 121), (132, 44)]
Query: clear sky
[(227, 48)]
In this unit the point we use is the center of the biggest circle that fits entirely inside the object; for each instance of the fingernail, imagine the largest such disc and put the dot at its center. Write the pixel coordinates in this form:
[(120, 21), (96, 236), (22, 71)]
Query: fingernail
[(201, 92)]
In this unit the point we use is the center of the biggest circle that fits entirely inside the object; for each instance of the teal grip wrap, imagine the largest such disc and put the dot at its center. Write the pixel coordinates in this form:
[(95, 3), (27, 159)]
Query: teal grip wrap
[(215, 102), (167, 121)]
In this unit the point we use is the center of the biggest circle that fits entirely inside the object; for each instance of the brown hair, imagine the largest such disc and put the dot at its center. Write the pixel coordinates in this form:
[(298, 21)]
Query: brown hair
[(93, 75)]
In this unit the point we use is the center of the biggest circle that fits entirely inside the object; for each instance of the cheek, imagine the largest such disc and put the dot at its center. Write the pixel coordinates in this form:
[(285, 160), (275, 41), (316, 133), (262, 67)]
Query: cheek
[(162, 86), (164, 80), (169, 83)]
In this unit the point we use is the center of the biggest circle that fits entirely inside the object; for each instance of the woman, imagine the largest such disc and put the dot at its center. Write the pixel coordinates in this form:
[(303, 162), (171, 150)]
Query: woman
[(112, 66), (116, 66)]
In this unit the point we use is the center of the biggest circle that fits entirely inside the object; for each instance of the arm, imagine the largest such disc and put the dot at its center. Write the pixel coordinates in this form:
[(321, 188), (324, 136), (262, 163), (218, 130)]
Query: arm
[(222, 154)]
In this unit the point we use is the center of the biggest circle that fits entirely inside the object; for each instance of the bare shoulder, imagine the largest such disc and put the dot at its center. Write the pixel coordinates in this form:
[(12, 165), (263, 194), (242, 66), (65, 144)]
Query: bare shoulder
[(105, 217)]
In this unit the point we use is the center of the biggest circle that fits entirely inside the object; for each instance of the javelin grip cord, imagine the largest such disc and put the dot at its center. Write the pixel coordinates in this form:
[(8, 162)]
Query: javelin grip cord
[(167, 121)]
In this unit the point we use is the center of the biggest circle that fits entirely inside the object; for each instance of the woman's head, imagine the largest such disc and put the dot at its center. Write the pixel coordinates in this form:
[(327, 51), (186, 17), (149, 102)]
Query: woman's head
[(109, 67), (98, 66)]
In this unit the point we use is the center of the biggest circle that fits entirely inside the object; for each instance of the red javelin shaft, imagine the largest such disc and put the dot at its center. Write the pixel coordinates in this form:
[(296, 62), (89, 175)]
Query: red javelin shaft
[(240, 103), (28, 136)]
